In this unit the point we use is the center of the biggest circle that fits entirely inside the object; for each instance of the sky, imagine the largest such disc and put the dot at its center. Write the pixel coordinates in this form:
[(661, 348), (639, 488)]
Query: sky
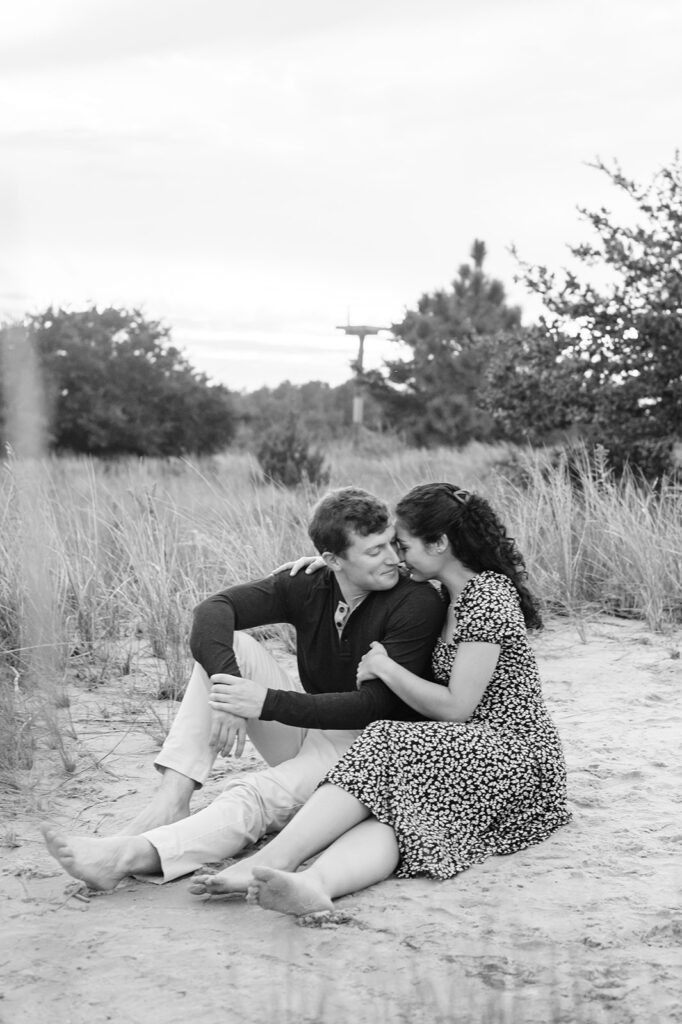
[(256, 174)]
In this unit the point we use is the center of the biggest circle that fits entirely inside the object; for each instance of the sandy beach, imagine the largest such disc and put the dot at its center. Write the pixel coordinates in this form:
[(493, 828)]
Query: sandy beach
[(585, 927)]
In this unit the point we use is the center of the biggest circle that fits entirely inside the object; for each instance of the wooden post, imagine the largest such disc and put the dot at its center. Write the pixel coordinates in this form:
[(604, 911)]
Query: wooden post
[(360, 331)]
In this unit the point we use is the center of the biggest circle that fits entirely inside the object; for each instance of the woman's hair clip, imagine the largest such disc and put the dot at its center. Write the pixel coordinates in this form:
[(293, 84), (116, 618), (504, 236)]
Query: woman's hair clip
[(459, 495)]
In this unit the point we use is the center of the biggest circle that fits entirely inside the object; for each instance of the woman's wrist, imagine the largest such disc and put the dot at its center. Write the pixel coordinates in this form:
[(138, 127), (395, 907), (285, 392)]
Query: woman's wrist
[(386, 669)]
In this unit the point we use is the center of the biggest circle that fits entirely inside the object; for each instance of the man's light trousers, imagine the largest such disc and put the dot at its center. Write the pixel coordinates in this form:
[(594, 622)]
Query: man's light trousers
[(257, 803)]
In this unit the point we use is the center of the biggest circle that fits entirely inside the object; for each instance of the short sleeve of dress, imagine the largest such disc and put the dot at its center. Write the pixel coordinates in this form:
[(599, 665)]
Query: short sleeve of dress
[(488, 611)]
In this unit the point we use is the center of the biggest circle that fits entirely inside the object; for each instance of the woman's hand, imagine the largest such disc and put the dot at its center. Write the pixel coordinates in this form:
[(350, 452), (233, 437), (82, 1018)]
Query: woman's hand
[(372, 663), (311, 564), (242, 697)]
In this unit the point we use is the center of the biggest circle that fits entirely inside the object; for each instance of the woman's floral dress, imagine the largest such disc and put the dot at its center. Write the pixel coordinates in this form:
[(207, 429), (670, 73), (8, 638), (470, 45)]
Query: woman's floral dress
[(457, 793)]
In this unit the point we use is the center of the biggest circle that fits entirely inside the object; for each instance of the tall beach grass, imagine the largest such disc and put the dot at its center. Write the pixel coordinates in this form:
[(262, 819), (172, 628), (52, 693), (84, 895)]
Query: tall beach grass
[(595, 543), (93, 554)]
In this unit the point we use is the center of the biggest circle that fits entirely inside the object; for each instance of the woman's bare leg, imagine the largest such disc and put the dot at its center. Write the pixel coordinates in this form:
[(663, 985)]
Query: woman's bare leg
[(363, 856), (328, 813), (102, 863)]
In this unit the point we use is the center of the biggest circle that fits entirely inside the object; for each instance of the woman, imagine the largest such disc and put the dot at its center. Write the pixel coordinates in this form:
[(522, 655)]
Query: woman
[(484, 776)]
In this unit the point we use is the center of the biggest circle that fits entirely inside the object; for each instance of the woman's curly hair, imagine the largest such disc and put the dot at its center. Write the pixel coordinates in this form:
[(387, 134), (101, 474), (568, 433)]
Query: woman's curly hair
[(477, 535)]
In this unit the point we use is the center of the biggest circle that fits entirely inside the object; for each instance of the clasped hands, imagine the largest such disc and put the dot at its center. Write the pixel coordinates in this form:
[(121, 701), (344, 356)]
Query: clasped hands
[(371, 663), (232, 700)]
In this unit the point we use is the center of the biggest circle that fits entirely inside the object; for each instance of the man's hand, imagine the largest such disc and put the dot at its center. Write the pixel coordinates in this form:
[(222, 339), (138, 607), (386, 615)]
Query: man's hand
[(227, 731), (371, 664), (311, 564), (242, 697)]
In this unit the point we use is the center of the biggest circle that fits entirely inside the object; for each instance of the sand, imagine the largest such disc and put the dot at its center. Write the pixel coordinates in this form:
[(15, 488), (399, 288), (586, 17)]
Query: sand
[(584, 927)]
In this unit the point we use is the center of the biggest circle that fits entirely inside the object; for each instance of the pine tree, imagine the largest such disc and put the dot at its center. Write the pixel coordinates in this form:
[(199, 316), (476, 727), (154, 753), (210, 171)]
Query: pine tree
[(432, 396)]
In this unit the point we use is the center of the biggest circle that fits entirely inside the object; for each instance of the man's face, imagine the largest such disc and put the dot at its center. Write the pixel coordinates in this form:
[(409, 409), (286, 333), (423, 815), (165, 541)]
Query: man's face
[(368, 563)]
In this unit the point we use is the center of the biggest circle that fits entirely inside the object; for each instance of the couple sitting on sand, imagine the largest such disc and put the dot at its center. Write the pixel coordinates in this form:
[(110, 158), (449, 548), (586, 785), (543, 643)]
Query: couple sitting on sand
[(416, 742)]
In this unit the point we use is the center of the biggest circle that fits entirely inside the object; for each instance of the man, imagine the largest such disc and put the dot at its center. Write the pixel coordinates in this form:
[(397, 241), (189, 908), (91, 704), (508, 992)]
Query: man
[(300, 728)]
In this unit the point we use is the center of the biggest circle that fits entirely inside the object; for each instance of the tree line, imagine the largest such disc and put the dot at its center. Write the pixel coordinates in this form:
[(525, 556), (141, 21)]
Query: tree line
[(603, 363)]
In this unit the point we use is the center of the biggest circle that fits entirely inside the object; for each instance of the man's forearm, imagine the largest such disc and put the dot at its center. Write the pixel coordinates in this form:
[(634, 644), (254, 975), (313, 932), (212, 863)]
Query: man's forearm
[(353, 710), (212, 636), (243, 606)]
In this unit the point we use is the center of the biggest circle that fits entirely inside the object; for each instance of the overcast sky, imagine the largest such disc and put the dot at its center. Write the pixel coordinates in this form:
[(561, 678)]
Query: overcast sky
[(249, 172)]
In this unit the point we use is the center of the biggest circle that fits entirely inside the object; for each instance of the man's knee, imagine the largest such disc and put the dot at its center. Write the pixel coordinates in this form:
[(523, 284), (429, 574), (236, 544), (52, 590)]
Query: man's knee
[(246, 649), (256, 662), (259, 804)]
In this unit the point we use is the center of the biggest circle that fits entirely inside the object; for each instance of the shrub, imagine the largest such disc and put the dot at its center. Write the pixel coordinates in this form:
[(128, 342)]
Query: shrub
[(286, 457)]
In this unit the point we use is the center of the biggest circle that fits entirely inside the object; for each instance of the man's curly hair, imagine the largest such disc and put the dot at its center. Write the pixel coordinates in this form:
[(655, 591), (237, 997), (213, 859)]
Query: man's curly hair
[(342, 511)]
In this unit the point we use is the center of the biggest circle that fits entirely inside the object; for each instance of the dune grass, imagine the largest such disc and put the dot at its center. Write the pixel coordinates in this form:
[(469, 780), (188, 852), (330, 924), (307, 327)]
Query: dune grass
[(594, 543), (92, 553)]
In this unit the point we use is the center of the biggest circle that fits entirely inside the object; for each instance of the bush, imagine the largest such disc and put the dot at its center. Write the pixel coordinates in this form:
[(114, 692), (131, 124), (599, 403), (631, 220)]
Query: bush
[(286, 457), (113, 384)]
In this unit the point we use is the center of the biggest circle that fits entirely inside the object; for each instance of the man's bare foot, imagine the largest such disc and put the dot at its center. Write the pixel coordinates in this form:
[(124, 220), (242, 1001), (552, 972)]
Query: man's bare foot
[(169, 804), (100, 863), (287, 892)]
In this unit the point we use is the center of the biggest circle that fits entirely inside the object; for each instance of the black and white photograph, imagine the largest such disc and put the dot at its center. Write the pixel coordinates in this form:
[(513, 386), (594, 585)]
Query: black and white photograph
[(340, 512)]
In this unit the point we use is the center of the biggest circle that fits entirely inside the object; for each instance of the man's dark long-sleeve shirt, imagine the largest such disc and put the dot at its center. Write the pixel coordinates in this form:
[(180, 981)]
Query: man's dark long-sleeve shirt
[(406, 620)]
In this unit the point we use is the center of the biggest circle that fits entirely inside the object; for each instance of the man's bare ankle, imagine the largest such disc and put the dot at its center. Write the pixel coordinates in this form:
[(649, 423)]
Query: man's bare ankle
[(138, 856), (175, 787), (161, 810)]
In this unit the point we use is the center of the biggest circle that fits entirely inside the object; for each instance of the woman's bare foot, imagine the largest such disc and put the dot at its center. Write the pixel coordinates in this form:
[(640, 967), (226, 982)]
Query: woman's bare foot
[(235, 879), (238, 877), (287, 892), (101, 863)]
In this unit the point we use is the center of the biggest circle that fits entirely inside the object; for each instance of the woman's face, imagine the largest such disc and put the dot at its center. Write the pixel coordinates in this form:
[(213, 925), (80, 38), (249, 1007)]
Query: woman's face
[(423, 560)]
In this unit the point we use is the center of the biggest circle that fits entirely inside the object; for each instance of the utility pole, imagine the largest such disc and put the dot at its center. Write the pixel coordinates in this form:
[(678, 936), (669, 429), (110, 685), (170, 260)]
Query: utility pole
[(360, 331)]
